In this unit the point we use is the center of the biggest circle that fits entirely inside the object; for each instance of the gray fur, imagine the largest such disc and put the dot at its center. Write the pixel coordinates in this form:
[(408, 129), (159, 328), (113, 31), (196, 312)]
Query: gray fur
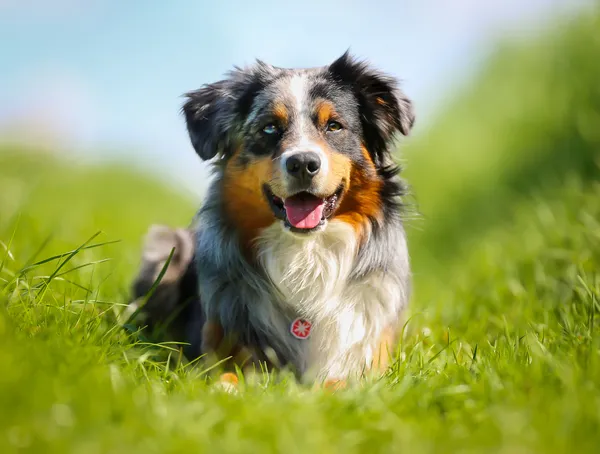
[(232, 291)]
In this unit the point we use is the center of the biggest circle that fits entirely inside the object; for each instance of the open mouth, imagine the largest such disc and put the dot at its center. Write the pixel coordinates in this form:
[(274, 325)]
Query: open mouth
[(303, 212)]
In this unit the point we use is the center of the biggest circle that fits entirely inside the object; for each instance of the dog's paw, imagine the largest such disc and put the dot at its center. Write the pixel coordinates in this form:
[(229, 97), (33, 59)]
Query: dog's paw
[(228, 382), (334, 384)]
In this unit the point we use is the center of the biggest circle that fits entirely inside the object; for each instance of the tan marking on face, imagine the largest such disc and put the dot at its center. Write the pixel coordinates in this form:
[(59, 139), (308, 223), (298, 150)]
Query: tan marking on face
[(281, 113), (325, 112), (340, 167), (244, 200), (380, 101), (362, 199)]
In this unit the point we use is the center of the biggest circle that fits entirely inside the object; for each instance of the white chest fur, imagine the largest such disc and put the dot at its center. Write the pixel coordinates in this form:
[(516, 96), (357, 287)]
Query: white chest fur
[(312, 276)]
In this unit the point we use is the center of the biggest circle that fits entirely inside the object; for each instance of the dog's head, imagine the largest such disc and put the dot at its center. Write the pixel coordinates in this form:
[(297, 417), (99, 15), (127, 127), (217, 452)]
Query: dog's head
[(301, 146)]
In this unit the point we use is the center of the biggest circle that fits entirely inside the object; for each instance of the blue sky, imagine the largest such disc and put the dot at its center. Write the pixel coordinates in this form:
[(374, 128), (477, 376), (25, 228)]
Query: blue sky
[(106, 76)]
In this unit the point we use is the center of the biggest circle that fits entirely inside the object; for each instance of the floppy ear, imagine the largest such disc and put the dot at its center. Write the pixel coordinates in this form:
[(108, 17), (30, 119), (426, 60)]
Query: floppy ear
[(384, 108), (205, 111), (214, 114)]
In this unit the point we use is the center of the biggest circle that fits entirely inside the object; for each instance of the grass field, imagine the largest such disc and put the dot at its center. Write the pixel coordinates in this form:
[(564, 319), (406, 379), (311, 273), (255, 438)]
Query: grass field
[(502, 350)]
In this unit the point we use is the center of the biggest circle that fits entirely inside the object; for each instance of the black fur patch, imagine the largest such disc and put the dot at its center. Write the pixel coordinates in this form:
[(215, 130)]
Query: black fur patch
[(383, 108)]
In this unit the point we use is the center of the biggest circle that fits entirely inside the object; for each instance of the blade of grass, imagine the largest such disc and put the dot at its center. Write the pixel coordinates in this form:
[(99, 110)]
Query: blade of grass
[(7, 253), (152, 289), (63, 263), (66, 254)]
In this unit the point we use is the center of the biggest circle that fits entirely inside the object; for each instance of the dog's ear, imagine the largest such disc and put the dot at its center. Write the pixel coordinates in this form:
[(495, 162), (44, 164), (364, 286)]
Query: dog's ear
[(384, 108), (203, 112), (214, 113)]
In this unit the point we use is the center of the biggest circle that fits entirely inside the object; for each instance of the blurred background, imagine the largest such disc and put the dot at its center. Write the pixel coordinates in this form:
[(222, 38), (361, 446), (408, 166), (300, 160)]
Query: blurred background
[(506, 95)]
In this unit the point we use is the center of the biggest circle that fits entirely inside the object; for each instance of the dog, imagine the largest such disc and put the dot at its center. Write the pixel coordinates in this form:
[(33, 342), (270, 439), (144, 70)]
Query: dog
[(298, 256)]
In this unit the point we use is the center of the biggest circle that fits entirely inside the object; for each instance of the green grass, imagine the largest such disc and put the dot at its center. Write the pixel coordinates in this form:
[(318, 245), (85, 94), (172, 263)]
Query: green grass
[(505, 355), (502, 350)]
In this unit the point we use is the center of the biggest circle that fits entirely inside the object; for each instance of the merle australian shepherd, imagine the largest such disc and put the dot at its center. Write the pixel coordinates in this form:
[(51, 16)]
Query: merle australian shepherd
[(298, 256)]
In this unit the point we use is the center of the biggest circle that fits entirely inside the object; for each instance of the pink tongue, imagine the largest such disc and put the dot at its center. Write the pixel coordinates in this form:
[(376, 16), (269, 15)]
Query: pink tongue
[(304, 212)]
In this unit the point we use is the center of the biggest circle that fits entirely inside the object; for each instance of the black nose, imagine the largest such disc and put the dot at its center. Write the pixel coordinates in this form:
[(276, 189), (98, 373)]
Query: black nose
[(303, 165)]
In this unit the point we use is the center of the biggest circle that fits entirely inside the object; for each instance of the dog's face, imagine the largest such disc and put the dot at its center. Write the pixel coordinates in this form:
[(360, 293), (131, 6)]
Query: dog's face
[(299, 146)]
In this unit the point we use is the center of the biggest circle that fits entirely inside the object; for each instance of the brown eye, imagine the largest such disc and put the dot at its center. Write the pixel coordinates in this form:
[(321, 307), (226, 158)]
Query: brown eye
[(333, 126)]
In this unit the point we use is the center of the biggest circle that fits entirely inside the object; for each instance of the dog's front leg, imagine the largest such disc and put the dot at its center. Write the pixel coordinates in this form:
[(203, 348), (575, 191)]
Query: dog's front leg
[(226, 351)]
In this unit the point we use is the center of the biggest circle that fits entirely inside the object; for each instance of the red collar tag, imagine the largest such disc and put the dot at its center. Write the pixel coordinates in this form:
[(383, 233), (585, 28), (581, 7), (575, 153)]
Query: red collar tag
[(300, 328)]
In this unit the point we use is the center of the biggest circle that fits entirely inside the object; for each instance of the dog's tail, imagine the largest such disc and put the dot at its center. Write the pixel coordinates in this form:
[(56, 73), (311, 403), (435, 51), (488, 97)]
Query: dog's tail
[(165, 299)]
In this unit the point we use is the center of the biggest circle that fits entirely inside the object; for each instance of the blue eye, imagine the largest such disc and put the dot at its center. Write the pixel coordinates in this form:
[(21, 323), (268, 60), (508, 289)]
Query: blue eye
[(270, 129)]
